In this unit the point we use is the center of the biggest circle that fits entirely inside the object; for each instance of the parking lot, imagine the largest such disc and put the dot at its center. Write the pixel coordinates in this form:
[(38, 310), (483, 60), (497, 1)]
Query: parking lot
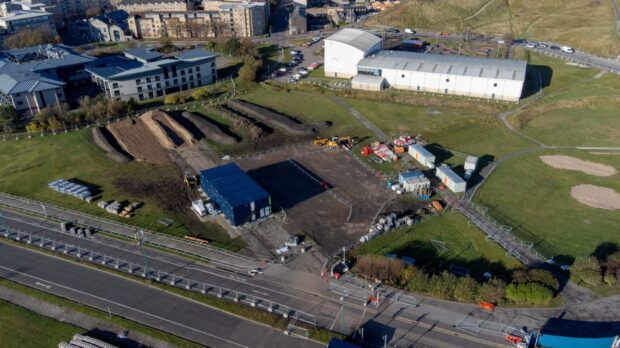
[(303, 60)]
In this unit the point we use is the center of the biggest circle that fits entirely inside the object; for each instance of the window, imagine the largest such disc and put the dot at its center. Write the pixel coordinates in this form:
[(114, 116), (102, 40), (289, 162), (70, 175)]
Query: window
[(158, 85), (167, 83), (115, 85), (197, 68), (141, 97), (190, 70), (198, 75), (403, 76), (138, 82), (447, 80), (182, 72), (59, 95), (117, 93), (20, 103), (156, 78), (176, 82), (495, 85), (139, 89), (191, 77), (148, 80), (183, 80), (149, 87), (150, 94), (160, 93), (213, 64), (213, 71)]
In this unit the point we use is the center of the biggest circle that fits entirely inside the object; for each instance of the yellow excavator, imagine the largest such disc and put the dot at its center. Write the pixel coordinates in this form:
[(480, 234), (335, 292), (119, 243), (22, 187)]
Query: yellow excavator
[(320, 141)]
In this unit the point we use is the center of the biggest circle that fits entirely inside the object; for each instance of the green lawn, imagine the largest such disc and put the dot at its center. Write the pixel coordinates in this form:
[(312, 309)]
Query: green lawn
[(308, 107), (461, 130), (26, 166), (21, 328), (535, 199), (464, 246), (577, 110)]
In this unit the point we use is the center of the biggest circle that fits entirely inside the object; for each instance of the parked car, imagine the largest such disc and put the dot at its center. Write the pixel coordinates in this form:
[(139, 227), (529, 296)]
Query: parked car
[(567, 49), (409, 31), (530, 45), (297, 76), (294, 52), (282, 69), (392, 30), (542, 45), (316, 39), (553, 47)]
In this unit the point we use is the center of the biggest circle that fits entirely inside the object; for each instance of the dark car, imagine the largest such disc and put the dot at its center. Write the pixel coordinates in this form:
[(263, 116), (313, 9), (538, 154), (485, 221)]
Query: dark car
[(554, 47)]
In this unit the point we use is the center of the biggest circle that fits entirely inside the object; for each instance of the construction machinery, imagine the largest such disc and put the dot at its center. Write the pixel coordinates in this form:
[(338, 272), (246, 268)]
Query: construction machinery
[(345, 142), (320, 141)]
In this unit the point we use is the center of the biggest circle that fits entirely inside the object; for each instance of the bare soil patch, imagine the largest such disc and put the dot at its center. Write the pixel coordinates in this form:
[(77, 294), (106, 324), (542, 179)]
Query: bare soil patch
[(596, 196), (293, 176), (276, 120), (136, 138), (101, 137), (208, 129), (576, 164)]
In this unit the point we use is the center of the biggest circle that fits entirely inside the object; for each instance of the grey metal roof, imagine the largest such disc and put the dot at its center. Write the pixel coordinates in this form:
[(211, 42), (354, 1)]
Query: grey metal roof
[(26, 81), (505, 69), (143, 53), (196, 53), (357, 38), (368, 79), (447, 171)]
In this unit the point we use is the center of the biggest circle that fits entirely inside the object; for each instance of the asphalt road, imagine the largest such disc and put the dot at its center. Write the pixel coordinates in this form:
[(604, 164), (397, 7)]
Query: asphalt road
[(404, 321), (139, 302)]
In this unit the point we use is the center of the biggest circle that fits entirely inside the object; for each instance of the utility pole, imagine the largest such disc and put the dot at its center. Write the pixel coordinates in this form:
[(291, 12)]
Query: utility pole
[(141, 239)]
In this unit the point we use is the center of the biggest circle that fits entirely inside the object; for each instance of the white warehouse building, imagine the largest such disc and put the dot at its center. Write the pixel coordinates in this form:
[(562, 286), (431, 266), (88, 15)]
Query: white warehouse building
[(500, 79), (346, 48)]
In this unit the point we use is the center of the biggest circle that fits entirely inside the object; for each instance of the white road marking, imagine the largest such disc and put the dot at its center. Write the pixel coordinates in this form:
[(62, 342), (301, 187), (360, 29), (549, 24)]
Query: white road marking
[(260, 292), (44, 285), (125, 307)]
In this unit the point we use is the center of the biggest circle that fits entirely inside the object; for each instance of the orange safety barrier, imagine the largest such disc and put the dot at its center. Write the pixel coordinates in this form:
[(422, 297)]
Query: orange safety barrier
[(488, 306), (514, 339)]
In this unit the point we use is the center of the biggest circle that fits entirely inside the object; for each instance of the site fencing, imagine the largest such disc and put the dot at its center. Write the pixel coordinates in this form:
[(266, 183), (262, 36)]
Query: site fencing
[(125, 231), (167, 278)]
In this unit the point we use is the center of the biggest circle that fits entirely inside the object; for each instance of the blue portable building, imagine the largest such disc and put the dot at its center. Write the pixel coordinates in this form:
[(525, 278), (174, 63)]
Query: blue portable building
[(239, 197), (336, 343)]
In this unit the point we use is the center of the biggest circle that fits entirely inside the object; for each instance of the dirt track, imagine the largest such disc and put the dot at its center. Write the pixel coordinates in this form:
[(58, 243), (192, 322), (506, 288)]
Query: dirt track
[(208, 129), (98, 136), (274, 119), (137, 139)]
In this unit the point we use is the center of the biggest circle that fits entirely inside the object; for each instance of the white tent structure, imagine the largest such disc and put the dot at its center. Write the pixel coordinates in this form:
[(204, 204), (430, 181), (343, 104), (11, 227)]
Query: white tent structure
[(347, 47)]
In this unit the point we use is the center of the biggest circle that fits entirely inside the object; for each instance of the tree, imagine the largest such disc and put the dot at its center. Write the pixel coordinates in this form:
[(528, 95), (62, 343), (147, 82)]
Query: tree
[(249, 70), (609, 278), (442, 285), (27, 38), (536, 275), (232, 46), (174, 99), (246, 47), (587, 269), (466, 289), (419, 282), (492, 291), (529, 293), (200, 94), (8, 118), (612, 262)]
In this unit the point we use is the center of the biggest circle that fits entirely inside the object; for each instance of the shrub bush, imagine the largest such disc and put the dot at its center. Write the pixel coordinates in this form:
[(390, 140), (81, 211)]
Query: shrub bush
[(586, 269), (466, 289), (492, 291), (529, 293)]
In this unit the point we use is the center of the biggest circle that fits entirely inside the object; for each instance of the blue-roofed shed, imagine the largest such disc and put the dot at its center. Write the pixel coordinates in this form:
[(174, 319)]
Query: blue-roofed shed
[(336, 343), (239, 197)]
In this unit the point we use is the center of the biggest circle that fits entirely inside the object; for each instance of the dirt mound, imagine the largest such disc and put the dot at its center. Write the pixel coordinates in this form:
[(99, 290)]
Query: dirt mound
[(136, 138), (106, 142), (576, 164), (208, 129), (273, 119), (596, 196)]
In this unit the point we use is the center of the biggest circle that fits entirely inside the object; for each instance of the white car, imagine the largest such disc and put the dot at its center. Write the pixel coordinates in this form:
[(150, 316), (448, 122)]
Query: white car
[(567, 49), (530, 45), (297, 76), (409, 31), (294, 52), (282, 69)]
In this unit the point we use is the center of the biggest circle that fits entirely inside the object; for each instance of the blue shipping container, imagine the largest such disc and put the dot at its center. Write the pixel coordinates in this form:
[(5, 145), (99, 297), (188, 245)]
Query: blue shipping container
[(239, 197)]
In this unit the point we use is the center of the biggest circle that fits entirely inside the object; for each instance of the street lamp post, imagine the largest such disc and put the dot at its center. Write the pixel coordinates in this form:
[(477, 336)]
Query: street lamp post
[(141, 239)]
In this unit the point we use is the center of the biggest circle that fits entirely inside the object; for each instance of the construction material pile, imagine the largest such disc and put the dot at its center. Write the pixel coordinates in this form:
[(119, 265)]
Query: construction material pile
[(72, 189), (383, 151)]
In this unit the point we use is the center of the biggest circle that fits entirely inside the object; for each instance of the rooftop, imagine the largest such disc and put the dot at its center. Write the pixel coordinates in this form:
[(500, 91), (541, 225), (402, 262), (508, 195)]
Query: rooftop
[(357, 38), (233, 184), (26, 81), (23, 14), (447, 171), (143, 53), (505, 69), (123, 67), (118, 17)]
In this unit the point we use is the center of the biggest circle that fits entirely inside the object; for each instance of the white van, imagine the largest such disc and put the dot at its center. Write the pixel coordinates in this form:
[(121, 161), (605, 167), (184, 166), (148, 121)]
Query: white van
[(567, 49)]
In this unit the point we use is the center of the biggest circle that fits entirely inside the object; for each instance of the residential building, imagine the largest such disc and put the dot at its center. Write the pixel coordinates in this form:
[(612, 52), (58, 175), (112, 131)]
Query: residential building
[(346, 48), (214, 5), (131, 6), (298, 21), (107, 27), (183, 24), (246, 19), (500, 79), (33, 78), (63, 11), (21, 20), (144, 74)]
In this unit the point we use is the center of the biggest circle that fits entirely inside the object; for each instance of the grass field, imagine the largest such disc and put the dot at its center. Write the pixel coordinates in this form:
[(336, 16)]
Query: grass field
[(308, 107), (587, 25), (26, 166), (21, 328), (535, 199), (465, 246), (579, 107), (450, 128)]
